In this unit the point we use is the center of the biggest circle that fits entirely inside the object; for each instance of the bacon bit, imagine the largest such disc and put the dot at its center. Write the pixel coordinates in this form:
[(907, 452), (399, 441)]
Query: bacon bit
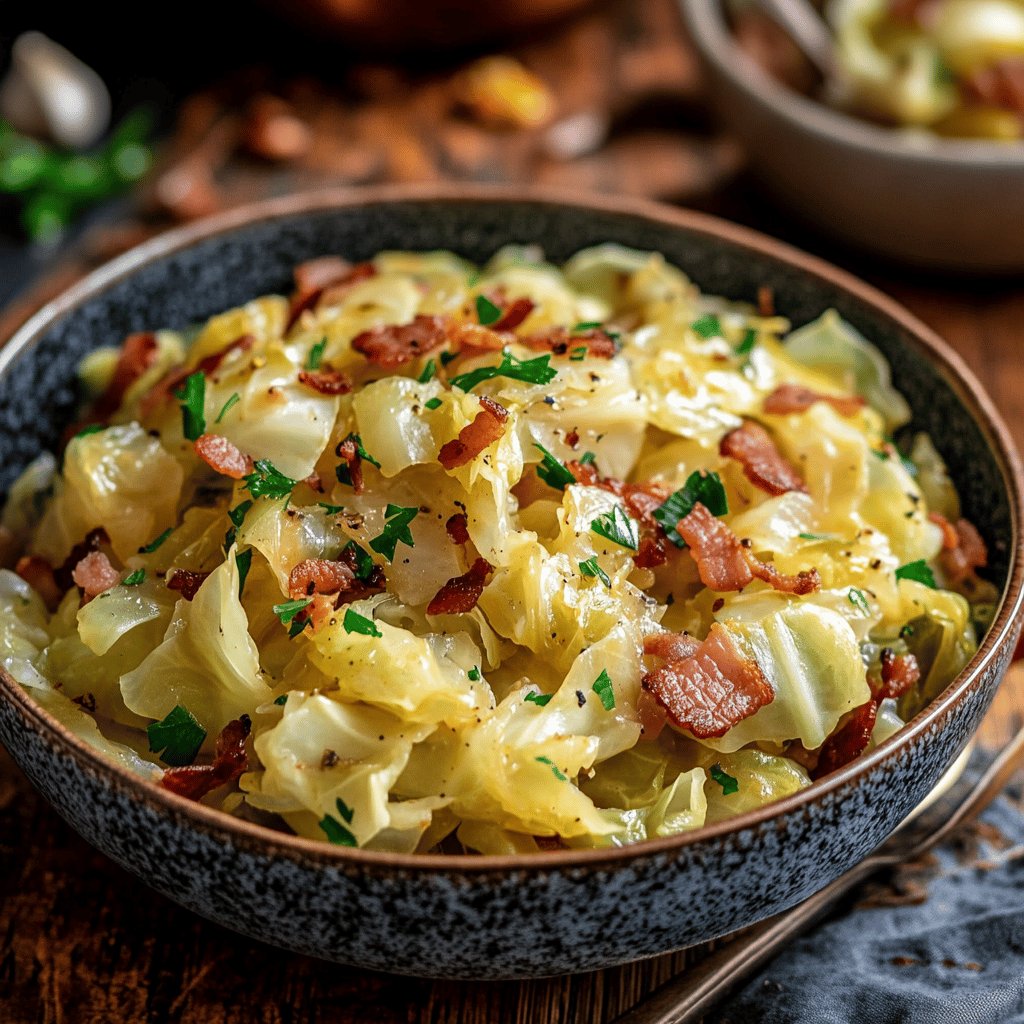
[(950, 538), (640, 499), (138, 353), (163, 390), (461, 593), (970, 554), (319, 576), (572, 439), (671, 646), (651, 553), (212, 362), (899, 673), (725, 564), (392, 345), (348, 452), (223, 456), (487, 426), (326, 382), (788, 398), (848, 741), (360, 588), (94, 574), (513, 315), (763, 464), (92, 541), (314, 483), (186, 582), (765, 301), (908, 11), (457, 528), (315, 278), (999, 85), (37, 572), (559, 341), (194, 781), (712, 688), (652, 716)]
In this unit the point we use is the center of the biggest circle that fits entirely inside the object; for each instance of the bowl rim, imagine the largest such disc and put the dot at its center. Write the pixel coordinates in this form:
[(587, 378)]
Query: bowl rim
[(226, 828), (710, 34)]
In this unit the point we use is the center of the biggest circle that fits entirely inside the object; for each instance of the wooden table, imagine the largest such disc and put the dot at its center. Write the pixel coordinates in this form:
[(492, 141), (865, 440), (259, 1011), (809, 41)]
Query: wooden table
[(82, 942)]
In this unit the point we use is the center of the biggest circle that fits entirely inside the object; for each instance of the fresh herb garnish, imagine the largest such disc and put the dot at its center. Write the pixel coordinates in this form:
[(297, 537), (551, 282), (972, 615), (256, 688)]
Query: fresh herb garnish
[(605, 690), (243, 560), (364, 563), (591, 568), (331, 510), (586, 325), (287, 610), (336, 832), (906, 632), (92, 428), (617, 527), (703, 487), (486, 311), (555, 770), (447, 357), (148, 549), (553, 472), (728, 783), (228, 406), (282, 700), (177, 738), (707, 326), (589, 458), (267, 481), (474, 674), (342, 470), (193, 400), (432, 404), (428, 371), (133, 579), (532, 371), (919, 571), (316, 355), (858, 600), (746, 346), (816, 536), (237, 517), (395, 529), (540, 699), (356, 623), (577, 355)]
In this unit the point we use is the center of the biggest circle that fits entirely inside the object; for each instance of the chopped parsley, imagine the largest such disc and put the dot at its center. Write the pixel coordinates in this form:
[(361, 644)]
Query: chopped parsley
[(540, 699), (267, 481), (177, 738), (133, 579), (555, 770), (577, 355), (587, 325), (432, 404), (316, 355), (474, 674), (728, 782), (703, 487), (364, 563), (552, 471), (148, 549), (92, 428), (287, 610), (228, 406), (591, 568), (746, 346), (331, 510), (342, 470), (906, 632), (858, 600), (282, 700), (193, 401), (428, 371), (919, 571), (605, 690), (447, 357), (707, 326), (486, 311), (617, 527), (244, 561), (356, 623), (816, 536), (336, 832), (532, 371), (237, 517), (589, 458), (396, 529)]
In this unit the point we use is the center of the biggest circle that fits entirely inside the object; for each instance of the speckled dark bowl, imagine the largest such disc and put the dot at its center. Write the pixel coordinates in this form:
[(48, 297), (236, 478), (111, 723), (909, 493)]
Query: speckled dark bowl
[(492, 917)]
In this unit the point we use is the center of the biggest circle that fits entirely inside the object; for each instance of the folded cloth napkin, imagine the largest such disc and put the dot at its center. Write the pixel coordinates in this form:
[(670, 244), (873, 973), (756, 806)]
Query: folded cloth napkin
[(941, 941)]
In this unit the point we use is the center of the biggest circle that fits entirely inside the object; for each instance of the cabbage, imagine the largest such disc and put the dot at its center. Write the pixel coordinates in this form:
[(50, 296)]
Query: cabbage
[(27, 497), (22, 630), (933, 478), (762, 779)]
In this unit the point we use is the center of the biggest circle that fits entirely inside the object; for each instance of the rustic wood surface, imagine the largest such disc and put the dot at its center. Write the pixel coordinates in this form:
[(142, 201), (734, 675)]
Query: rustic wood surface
[(82, 942)]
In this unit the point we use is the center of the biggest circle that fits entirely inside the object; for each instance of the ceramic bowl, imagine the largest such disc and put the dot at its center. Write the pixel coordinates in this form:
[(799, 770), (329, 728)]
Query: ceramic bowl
[(926, 201), (500, 917)]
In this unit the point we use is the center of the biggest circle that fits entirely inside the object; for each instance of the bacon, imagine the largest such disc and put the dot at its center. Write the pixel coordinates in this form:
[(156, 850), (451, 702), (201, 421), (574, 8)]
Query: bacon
[(640, 499), (651, 553), (712, 689), (724, 563), (651, 715), (194, 781), (327, 277), (94, 574), (457, 528), (164, 388), (998, 85), (560, 341), (374, 584), (348, 452), (326, 382), (671, 646), (461, 593), (314, 483), (319, 576), (37, 572), (92, 541), (391, 345), (186, 582), (900, 672), (788, 398), (848, 741), (765, 301), (513, 315), (950, 538), (223, 455), (970, 554), (138, 353), (487, 426), (763, 464), (572, 439)]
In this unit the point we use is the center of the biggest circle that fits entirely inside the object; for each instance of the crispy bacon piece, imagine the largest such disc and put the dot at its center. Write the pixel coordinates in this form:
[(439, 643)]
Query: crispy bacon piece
[(724, 563), (709, 689), (763, 464), (92, 541), (163, 390), (461, 593), (186, 582), (94, 574), (457, 528), (998, 85), (223, 455), (326, 382), (787, 398), (640, 499), (848, 741), (319, 576), (652, 716), (899, 673), (671, 646), (572, 439), (487, 426), (348, 452), (392, 345), (950, 538), (652, 551), (37, 572), (314, 483), (138, 354), (560, 341), (513, 315), (765, 301), (325, 277), (374, 584), (229, 761), (961, 562)]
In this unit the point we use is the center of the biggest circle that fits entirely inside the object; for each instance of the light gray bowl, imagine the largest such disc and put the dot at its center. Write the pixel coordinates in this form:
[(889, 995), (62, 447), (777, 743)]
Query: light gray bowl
[(937, 203)]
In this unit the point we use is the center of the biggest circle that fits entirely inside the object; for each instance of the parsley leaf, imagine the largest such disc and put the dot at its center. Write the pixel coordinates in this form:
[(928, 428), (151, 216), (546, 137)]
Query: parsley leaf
[(586, 325), (919, 571), (228, 406), (432, 403), (133, 579), (331, 510), (707, 326), (356, 623), (617, 527), (237, 517), (447, 357), (577, 355), (395, 529), (555, 770), (336, 832), (148, 549), (703, 487), (532, 371), (728, 782), (486, 311), (591, 568), (552, 471), (316, 355), (179, 736), (858, 600), (287, 610), (282, 700), (817, 536), (540, 699), (746, 346), (244, 561), (193, 400), (605, 690), (92, 428), (428, 371), (474, 674), (364, 563), (267, 481), (589, 458)]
